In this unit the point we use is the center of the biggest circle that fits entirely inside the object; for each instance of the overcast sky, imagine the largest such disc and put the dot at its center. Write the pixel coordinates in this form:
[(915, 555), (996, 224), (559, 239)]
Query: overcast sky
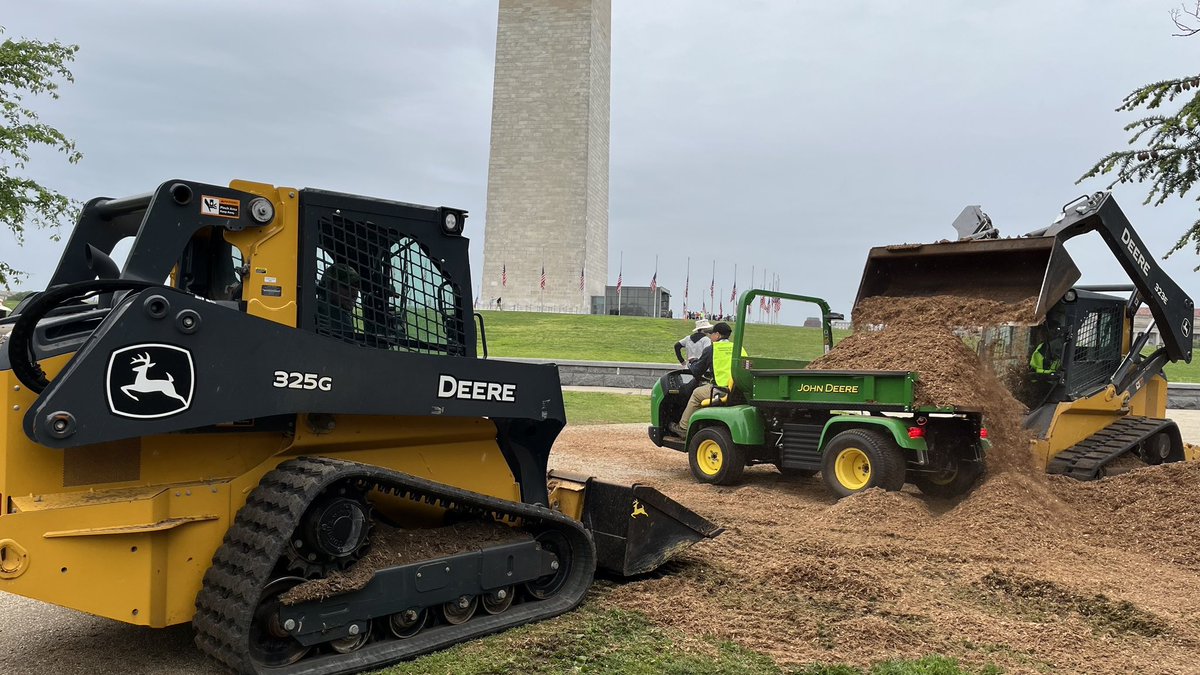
[(790, 136)]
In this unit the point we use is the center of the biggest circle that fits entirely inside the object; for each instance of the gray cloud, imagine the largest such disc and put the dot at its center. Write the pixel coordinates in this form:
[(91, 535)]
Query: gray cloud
[(783, 135)]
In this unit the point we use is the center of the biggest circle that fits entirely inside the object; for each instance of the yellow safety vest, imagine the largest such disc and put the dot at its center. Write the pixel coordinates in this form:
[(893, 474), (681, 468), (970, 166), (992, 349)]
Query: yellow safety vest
[(1037, 361), (723, 363)]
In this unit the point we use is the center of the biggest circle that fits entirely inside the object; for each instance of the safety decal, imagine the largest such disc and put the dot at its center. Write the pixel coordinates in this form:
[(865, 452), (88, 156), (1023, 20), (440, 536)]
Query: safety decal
[(220, 207), (149, 381)]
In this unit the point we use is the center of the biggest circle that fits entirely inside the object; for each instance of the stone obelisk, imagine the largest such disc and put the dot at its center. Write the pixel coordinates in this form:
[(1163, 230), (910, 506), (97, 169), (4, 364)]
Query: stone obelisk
[(547, 201)]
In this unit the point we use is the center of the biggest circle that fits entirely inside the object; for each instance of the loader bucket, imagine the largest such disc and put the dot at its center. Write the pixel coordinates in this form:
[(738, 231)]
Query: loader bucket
[(1009, 270), (636, 528)]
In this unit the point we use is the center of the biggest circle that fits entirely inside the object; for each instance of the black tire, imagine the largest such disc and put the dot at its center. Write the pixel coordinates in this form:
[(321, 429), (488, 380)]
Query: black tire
[(949, 484), (1157, 449), (714, 457), (860, 459)]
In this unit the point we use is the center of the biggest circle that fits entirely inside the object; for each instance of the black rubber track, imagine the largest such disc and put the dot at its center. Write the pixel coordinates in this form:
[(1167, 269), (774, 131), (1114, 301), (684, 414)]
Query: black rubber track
[(253, 546), (1087, 459)]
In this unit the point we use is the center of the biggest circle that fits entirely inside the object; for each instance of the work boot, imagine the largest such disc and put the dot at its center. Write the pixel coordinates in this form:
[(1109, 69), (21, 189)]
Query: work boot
[(676, 430)]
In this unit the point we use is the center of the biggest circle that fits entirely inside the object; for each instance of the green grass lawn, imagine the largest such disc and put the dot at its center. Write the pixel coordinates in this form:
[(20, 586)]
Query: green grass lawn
[(579, 337), (596, 640), (604, 408), (1183, 372)]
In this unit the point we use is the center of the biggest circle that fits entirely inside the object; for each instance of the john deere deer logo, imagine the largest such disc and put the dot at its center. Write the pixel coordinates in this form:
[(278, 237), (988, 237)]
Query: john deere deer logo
[(143, 384), (149, 381)]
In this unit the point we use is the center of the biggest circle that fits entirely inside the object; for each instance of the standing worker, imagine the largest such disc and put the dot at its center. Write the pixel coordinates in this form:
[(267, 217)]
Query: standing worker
[(715, 364), (694, 344)]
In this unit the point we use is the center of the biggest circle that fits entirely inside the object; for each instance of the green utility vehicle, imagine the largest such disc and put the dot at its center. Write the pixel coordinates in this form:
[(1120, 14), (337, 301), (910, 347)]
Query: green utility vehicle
[(859, 429)]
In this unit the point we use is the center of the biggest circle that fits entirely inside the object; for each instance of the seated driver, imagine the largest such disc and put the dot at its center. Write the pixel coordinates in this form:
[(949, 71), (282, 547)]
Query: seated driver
[(1046, 358), (716, 365)]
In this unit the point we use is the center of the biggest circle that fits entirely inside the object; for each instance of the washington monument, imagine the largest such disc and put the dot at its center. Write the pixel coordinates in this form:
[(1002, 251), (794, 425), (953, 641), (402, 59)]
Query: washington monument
[(547, 201)]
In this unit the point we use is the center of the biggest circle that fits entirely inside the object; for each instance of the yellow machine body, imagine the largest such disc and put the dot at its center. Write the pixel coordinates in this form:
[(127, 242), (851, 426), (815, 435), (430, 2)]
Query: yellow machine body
[(63, 510), (1075, 421), (140, 525), (169, 499)]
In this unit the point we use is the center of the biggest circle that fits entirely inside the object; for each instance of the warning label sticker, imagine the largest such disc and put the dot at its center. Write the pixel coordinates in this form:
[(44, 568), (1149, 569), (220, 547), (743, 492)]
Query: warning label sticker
[(219, 206)]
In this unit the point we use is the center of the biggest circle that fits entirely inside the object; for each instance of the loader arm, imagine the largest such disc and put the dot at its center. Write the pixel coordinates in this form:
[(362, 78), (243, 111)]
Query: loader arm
[(1170, 306)]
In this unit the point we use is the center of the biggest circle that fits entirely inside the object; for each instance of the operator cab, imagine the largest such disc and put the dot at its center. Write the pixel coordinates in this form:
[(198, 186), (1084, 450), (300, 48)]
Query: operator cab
[(1070, 355)]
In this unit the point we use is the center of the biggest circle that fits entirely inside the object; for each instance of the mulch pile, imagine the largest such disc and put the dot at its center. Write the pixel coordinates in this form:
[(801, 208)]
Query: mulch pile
[(920, 334)]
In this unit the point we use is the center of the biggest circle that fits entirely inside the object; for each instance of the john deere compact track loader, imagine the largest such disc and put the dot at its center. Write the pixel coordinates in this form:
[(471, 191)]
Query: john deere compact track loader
[(1093, 396), (273, 380)]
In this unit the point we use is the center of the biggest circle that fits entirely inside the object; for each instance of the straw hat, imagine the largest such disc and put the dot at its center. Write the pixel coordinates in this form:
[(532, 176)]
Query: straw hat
[(703, 324)]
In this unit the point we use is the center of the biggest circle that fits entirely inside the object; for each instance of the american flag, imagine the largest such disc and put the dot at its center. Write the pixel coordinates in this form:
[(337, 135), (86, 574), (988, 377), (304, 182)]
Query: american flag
[(543, 277), (722, 312), (778, 304), (580, 279), (733, 293), (653, 283), (762, 302), (504, 275), (619, 283)]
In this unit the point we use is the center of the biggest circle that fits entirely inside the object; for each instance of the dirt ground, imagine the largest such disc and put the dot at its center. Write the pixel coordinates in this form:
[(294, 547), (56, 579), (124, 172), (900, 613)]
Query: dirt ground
[(1032, 573)]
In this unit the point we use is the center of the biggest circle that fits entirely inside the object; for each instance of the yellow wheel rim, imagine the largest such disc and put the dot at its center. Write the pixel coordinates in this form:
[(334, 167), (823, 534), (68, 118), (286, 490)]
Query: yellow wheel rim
[(709, 457), (852, 468)]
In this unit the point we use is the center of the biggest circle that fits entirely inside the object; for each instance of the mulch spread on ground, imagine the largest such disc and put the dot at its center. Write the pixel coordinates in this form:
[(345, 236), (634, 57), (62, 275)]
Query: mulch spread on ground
[(1030, 572)]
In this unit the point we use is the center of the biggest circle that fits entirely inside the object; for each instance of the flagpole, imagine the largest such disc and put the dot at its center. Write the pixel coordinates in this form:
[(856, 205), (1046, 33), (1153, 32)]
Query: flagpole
[(620, 272), (751, 307), (766, 316), (778, 305), (687, 281), (712, 285), (654, 292)]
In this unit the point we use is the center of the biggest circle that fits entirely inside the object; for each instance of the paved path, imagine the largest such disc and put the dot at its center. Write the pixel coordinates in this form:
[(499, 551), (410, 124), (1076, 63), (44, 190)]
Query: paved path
[(41, 639), (1189, 424)]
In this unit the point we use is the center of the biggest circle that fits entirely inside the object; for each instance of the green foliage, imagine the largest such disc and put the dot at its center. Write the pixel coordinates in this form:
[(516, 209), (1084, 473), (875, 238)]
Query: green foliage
[(29, 68), (1166, 146)]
